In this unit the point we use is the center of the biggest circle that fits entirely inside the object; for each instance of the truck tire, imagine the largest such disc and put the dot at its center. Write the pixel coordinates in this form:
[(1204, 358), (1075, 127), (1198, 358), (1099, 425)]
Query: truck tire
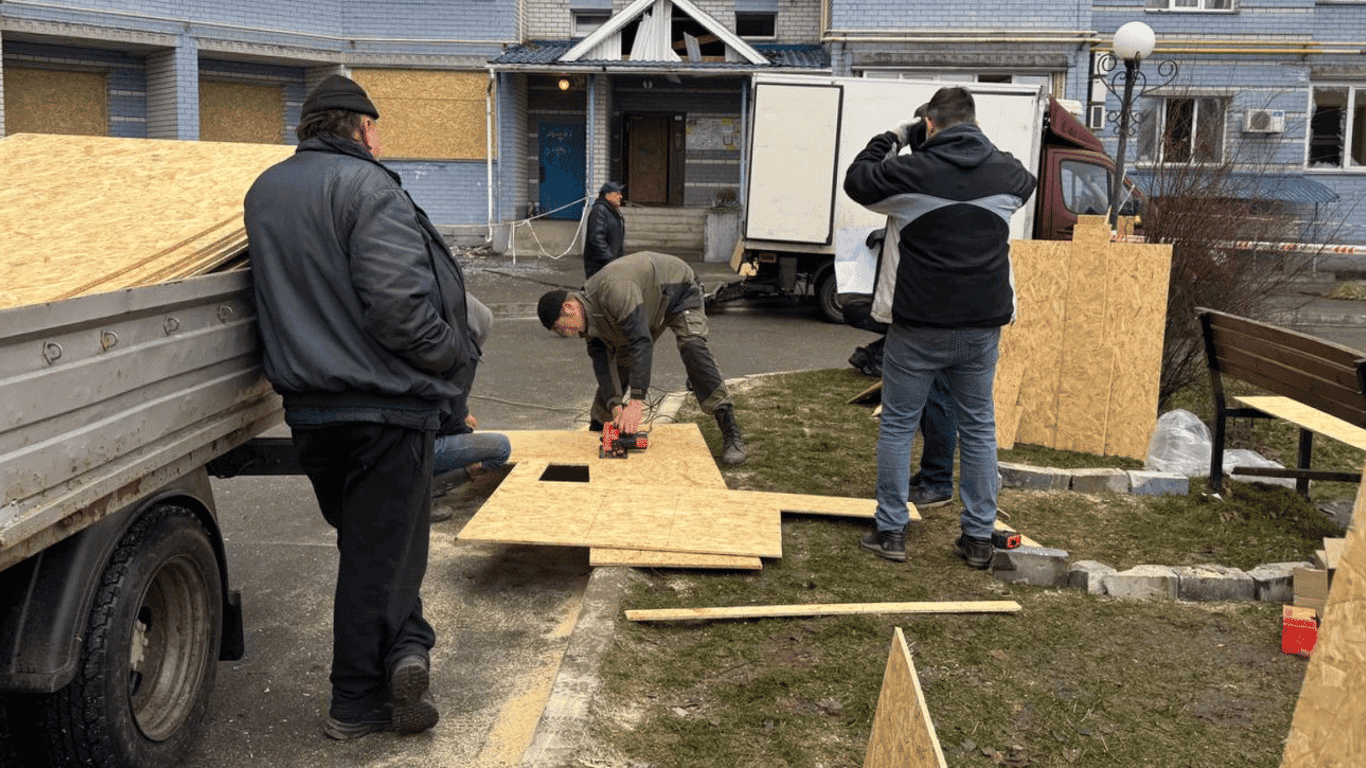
[(828, 298), (150, 652)]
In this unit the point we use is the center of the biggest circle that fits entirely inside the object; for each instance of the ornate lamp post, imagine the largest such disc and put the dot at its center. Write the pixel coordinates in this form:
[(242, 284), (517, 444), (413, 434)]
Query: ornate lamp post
[(1133, 43)]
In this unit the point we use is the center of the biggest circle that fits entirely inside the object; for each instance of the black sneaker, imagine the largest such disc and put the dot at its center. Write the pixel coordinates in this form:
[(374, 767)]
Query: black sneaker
[(924, 498), (978, 552), (414, 709), (343, 730), (888, 544)]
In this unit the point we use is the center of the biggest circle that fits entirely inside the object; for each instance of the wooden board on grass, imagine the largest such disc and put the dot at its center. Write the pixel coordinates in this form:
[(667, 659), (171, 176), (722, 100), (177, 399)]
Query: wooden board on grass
[(821, 609), (903, 734)]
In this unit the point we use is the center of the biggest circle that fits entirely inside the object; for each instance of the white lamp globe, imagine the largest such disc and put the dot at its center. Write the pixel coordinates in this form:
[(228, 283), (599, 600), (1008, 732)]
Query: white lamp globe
[(1134, 41)]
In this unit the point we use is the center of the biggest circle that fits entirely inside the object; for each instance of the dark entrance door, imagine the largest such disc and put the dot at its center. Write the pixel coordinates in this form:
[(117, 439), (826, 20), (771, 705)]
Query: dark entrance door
[(562, 160), (647, 159)]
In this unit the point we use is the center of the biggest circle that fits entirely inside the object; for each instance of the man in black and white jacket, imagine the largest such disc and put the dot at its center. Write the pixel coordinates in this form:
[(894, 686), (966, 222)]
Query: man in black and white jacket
[(946, 287)]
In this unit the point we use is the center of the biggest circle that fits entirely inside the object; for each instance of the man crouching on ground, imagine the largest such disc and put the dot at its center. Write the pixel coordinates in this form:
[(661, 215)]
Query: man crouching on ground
[(622, 310)]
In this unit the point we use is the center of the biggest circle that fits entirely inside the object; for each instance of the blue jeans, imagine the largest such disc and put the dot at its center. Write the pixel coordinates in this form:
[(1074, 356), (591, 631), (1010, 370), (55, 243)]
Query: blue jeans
[(939, 431), (911, 360), (458, 451)]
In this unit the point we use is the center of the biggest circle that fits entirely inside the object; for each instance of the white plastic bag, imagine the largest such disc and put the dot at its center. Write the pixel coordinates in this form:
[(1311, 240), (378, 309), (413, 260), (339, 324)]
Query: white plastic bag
[(1181, 443)]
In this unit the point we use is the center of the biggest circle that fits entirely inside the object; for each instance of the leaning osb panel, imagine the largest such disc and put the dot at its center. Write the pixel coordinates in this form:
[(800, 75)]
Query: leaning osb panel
[(903, 733), (1034, 344), (1136, 319), (1329, 727), (76, 209), (1084, 380)]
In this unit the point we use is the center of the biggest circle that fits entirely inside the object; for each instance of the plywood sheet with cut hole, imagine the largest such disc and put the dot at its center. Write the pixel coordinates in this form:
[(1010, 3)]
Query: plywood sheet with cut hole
[(1329, 726), (1311, 419), (527, 510), (903, 734), (677, 456), (87, 214)]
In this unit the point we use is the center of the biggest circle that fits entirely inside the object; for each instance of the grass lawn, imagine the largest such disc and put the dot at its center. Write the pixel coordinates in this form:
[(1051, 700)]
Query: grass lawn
[(1071, 680)]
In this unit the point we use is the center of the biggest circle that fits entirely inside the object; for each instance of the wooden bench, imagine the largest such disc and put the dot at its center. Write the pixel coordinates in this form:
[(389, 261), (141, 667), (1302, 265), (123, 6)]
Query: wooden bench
[(1315, 384)]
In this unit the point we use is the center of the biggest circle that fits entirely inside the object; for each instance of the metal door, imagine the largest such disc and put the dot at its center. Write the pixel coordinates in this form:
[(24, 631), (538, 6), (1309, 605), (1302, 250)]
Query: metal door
[(562, 159)]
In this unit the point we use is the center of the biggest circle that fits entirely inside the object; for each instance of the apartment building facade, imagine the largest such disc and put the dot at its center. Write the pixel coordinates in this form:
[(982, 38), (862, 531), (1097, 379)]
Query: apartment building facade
[(496, 110)]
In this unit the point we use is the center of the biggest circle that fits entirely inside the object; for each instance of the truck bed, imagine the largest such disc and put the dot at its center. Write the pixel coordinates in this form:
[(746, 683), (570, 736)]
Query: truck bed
[(110, 396)]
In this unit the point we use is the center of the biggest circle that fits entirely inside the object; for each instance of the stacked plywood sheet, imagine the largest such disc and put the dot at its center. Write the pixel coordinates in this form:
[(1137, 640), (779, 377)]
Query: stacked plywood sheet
[(1079, 369), (663, 507), (87, 214)]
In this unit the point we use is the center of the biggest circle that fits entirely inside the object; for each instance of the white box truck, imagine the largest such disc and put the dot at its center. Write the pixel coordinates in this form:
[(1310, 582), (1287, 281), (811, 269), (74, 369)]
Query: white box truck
[(806, 130)]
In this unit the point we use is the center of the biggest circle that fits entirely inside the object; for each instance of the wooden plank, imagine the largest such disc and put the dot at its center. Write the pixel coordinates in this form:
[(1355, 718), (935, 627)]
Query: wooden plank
[(825, 609), (1329, 726), (1310, 418), (1283, 337), (903, 734)]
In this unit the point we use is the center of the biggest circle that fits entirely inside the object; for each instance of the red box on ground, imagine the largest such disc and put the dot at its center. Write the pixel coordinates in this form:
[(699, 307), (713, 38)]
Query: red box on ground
[(1299, 630)]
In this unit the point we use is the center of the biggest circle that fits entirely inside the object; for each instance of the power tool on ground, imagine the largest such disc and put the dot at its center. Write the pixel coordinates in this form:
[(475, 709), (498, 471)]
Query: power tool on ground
[(618, 445), (1005, 539)]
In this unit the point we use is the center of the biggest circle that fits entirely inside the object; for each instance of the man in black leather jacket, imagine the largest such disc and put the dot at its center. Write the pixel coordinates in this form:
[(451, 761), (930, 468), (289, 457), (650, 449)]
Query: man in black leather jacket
[(364, 333), (606, 233)]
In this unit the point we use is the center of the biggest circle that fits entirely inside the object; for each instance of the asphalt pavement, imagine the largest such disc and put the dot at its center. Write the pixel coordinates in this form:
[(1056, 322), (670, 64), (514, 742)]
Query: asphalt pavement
[(520, 628)]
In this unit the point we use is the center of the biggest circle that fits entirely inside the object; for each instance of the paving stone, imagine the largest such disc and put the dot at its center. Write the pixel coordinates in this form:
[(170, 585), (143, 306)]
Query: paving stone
[(1145, 483), (1214, 583), (1089, 575), (1032, 478), (1142, 582), (1274, 582), (1040, 566), (1100, 480)]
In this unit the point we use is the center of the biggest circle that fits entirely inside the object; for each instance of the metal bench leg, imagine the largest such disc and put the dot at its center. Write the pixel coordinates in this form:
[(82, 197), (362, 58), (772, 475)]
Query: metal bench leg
[(1305, 454)]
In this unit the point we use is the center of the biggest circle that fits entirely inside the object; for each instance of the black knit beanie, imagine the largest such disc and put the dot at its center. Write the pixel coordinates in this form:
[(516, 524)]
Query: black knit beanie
[(338, 92), (548, 308)]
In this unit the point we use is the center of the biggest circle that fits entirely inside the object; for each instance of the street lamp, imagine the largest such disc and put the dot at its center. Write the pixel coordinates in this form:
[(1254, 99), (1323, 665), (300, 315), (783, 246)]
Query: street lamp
[(1133, 43)]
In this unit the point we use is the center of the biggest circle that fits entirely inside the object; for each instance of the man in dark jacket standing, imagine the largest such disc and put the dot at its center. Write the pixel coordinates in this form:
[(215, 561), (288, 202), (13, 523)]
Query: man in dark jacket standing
[(364, 332), (606, 236), (945, 285)]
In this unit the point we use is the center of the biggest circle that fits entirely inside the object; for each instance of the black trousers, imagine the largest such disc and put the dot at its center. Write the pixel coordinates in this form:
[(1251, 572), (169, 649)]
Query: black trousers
[(373, 483)]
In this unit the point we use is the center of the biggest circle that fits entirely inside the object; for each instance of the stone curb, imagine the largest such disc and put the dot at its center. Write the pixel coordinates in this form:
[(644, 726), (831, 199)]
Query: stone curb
[(1136, 481)]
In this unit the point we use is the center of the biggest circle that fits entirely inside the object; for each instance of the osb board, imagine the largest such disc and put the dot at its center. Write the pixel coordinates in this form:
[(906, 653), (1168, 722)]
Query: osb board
[(248, 112), (678, 456), (1088, 336), (527, 510), (821, 609), (429, 114), (903, 733), (55, 101), (75, 210), (1311, 419), (639, 558), (1329, 727), (1031, 348)]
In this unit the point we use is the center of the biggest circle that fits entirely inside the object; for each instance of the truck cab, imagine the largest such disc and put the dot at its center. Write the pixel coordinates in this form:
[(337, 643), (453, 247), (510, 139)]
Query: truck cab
[(1074, 177)]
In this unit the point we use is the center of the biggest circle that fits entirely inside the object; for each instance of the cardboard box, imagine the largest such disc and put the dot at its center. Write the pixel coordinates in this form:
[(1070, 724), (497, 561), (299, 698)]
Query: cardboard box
[(1299, 630)]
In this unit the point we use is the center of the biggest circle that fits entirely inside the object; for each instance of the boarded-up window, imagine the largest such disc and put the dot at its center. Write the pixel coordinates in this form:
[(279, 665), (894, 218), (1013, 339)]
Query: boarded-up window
[(246, 112), (56, 101), (426, 114)]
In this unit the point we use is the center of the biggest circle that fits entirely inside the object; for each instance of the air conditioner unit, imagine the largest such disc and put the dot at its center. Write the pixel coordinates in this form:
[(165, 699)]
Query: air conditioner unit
[(1264, 121), (1096, 120)]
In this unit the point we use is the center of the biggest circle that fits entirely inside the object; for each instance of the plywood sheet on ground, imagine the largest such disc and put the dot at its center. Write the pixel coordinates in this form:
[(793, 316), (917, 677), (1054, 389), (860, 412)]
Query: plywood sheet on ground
[(599, 557), (85, 214), (677, 456), (903, 734), (1329, 726), (1087, 343), (528, 510)]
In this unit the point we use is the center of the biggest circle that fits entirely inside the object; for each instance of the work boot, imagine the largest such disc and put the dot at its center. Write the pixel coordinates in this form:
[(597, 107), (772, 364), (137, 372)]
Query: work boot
[(732, 445), (412, 708), (978, 552), (888, 544)]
